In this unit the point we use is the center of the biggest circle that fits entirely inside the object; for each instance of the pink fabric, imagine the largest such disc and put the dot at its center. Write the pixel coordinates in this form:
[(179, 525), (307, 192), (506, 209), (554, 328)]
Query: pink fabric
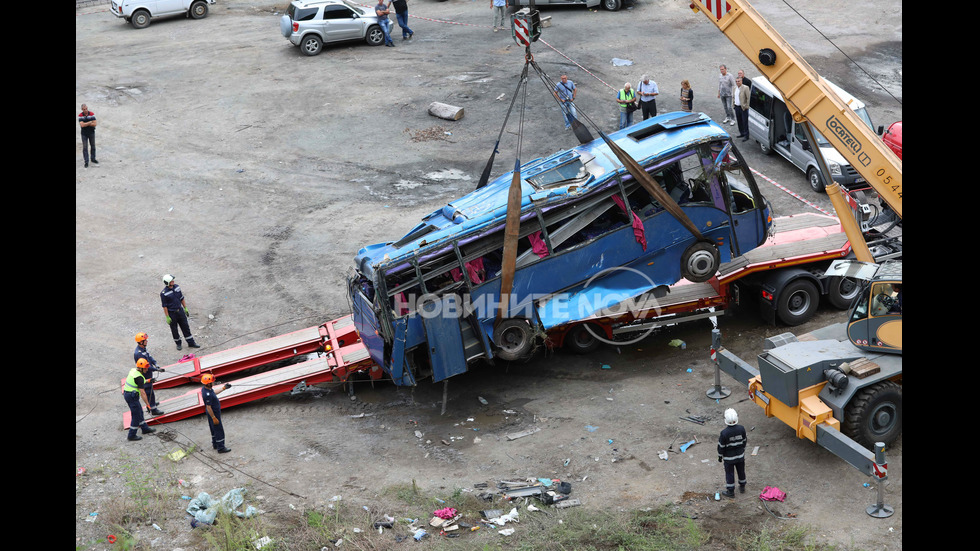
[(538, 245), (638, 230), (402, 303), (771, 493), (473, 267), (446, 513)]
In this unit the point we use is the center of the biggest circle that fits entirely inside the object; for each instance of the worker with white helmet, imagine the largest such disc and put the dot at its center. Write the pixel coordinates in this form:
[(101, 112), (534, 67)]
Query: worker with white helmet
[(175, 310), (731, 452)]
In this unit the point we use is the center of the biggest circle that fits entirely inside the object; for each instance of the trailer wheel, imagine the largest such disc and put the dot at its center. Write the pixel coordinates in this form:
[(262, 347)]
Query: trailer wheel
[(700, 262), (841, 291), (514, 340), (875, 414), (581, 340), (798, 302)]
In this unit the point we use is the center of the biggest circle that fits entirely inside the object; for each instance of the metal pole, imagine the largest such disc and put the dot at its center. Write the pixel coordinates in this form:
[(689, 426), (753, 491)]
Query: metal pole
[(879, 509), (445, 395), (718, 392)]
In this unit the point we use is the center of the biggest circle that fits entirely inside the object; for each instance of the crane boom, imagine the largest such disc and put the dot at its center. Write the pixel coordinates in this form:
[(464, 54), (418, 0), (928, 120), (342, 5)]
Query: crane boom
[(808, 97)]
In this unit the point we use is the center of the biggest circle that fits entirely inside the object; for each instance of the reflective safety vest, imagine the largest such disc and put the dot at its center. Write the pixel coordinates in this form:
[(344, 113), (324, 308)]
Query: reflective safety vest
[(130, 385), (623, 96)]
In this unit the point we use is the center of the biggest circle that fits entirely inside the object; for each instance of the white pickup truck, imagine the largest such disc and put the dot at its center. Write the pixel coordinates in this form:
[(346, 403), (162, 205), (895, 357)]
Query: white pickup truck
[(139, 12)]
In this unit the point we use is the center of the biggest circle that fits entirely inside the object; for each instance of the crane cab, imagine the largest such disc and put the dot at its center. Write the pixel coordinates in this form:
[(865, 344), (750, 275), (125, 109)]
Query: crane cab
[(875, 319)]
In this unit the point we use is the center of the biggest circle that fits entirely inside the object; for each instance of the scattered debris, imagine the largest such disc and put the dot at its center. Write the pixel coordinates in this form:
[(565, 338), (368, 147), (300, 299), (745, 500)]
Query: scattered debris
[(755, 450), (662, 455), (695, 419), (567, 503), (621, 62), (590, 428), (445, 111), (482, 400), (262, 542), (677, 343), (516, 435), (687, 445)]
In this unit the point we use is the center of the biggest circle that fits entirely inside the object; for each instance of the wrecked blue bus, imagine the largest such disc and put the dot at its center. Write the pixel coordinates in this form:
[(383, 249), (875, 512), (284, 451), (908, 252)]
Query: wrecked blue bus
[(590, 237)]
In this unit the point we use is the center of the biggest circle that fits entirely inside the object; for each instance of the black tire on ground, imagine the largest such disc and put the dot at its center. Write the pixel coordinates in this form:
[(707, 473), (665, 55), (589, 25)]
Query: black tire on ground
[(199, 9), (700, 262), (581, 340), (766, 150), (612, 5), (514, 340), (798, 302), (140, 19), (841, 291), (311, 44), (874, 415), (816, 181), (375, 36)]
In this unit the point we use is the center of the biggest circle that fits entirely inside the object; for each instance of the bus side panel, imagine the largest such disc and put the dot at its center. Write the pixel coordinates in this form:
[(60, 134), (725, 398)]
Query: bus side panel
[(445, 339), (368, 328)]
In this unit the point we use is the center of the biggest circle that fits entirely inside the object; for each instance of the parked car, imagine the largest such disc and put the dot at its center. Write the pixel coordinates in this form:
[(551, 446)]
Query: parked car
[(771, 124), (893, 137), (139, 12), (310, 24)]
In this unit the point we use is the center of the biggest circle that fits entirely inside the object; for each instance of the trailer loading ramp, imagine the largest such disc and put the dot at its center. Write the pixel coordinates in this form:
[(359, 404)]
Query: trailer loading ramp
[(333, 365), (256, 354)]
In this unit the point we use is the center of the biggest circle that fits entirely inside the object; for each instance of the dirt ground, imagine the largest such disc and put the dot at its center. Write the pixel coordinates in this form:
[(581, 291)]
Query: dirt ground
[(254, 174)]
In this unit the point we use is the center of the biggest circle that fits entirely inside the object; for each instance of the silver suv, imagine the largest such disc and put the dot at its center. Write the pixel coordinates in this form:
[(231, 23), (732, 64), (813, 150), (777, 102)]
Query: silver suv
[(310, 24), (139, 12)]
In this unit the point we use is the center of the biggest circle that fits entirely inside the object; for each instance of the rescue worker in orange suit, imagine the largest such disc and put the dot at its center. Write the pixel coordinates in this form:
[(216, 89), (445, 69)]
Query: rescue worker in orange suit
[(212, 406), (142, 352), (731, 451), (132, 392)]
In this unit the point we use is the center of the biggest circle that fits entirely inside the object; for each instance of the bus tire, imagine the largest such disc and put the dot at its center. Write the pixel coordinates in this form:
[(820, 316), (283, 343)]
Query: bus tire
[(700, 262), (582, 340), (514, 340)]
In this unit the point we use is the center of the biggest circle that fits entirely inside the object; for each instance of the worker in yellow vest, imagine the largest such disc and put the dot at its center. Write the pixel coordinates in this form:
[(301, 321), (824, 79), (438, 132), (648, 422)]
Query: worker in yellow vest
[(626, 98), (132, 392)]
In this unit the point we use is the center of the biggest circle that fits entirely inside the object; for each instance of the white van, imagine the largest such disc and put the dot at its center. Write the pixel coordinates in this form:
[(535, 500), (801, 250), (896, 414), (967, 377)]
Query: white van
[(771, 124)]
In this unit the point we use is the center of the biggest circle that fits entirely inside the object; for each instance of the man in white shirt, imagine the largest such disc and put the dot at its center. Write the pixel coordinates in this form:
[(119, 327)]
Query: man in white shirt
[(647, 90)]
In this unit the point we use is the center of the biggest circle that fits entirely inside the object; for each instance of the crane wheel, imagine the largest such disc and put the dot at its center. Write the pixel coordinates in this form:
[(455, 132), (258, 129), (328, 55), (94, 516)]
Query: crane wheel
[(874, 415)]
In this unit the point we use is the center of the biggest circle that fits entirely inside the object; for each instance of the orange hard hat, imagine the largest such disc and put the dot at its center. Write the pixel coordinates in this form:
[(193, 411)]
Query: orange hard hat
[(207, 378), (142, 363), (140, 337)]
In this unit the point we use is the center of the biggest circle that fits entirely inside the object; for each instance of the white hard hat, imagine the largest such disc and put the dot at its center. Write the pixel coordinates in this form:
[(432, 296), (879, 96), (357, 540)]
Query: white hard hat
[(731, 418), (167, 278)]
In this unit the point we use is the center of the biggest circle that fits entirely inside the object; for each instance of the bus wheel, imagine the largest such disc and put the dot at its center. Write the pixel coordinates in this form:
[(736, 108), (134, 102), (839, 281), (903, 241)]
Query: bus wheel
[(514, 340), (582, 340), (700, 262)]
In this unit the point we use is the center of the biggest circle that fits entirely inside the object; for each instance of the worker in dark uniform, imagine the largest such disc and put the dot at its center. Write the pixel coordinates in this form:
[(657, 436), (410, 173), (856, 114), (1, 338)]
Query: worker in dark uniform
[(731, 451), (175, 310), (142, 352), (212, 406), (132, 392)]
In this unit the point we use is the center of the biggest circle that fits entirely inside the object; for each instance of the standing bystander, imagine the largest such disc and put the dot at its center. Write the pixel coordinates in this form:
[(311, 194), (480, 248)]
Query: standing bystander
[(565, 92), (87, 122), (499, 8), (742, 108), (648, 92), (687, 96), (382, 12), (401, 14), (726, 86)]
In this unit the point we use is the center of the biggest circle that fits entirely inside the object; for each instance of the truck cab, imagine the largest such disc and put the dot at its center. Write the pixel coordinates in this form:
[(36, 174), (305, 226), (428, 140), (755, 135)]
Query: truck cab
[(772, 126)]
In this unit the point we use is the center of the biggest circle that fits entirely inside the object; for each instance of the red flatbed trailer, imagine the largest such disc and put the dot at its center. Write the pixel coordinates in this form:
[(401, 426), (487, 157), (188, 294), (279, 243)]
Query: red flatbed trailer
[(340, 353), (798, 242)]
